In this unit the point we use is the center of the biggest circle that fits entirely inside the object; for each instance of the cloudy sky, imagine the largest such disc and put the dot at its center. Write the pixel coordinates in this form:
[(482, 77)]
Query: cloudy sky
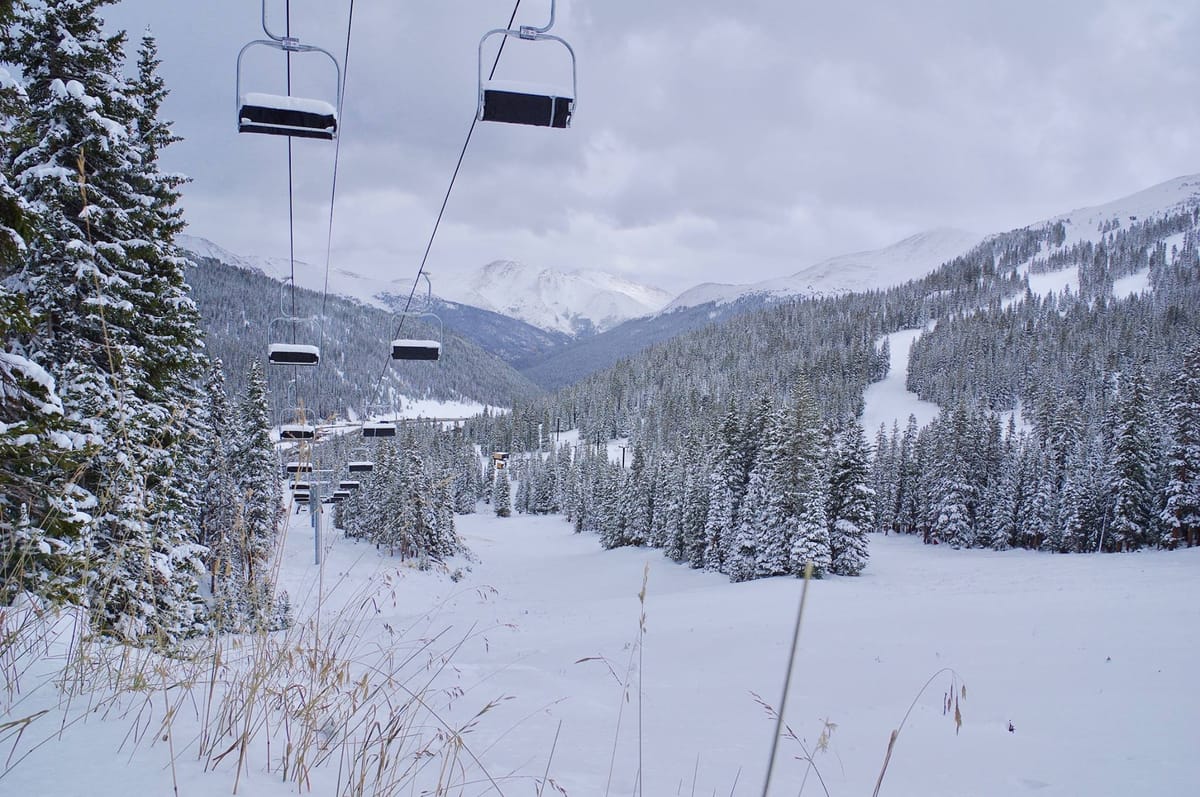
[(714, 141)]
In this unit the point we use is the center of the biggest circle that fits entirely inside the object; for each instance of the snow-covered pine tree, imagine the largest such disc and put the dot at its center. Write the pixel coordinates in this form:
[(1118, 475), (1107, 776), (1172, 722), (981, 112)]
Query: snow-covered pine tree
[(523, 471), (1181, 513), (638, 499), (123, 345), (661, 498), (42, 522), (1130, 462), (742, 561), (850, 503), (43, 517), (726, 488), (256, 472), (466, 481), (502, 494), (220, 518), (807, 485), (1084, 498)]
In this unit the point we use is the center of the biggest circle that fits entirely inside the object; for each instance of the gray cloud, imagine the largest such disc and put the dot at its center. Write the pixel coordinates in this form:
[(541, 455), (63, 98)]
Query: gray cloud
[(714, 141)]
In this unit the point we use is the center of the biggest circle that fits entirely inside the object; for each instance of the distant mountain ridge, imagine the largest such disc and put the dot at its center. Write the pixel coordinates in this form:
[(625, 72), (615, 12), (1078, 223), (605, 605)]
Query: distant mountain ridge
[(911, 258), (576, 303)]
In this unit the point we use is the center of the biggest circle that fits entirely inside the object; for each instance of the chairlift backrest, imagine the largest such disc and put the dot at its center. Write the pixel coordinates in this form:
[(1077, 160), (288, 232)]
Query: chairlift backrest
[(523, 102)]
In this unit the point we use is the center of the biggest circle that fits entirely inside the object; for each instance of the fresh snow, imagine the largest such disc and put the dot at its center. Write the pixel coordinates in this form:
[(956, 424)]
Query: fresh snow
[(527, 87), (1131, 285), (1084, 224), (912, 258), (1089, 657), (562, 301), (308, 276), (285, 103), (889, 401)]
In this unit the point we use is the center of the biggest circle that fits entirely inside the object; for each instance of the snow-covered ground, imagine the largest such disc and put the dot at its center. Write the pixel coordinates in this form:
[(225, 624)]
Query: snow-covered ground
[(888, 401), (1090, 658)]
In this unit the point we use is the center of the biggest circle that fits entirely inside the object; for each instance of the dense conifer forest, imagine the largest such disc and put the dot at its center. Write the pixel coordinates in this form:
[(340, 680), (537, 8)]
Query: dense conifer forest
[(1069, 422), (140, 469)]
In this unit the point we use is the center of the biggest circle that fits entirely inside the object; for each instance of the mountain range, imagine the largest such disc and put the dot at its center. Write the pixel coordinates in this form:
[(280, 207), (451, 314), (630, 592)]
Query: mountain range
[(556, 327)]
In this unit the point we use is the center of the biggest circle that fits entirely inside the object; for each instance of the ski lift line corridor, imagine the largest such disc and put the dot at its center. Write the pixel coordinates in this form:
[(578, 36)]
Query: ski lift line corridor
[(442, 212), (292, 339)]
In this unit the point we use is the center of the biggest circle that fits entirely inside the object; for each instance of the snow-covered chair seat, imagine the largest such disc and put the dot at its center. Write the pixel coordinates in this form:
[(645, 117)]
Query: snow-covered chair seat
[(286, 116), (518, 102), (413, 349), (293, 354), (360, 466), (297, 431), (378, 429)]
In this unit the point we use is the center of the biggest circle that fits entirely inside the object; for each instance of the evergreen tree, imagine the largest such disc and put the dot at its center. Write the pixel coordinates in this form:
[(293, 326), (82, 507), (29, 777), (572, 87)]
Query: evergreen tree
[(115, 327), (1181, 513), (1130, 465), (42, 518), (850, 503), (501, 494), (806, 486), (220, 518), (255, 471)]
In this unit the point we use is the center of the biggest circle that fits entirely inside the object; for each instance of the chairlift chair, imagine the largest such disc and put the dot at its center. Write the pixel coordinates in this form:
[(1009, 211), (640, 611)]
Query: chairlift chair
[(361, 465), (286, 115), (299, 486), (372, 428), (415, 348), (299, 428), (292, 468), (378, 429), (281, 353), (349, 484), (522, 102)]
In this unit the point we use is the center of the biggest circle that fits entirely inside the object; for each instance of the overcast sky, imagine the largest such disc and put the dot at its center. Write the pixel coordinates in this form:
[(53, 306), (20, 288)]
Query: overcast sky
[(714, 141)]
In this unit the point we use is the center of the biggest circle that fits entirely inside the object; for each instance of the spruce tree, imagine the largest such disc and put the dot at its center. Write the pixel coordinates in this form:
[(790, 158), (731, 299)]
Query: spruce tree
[(1181, 513), (42, 518), (850, 503), (1131, 461), (256, 473), (114, 326), (502, 494)]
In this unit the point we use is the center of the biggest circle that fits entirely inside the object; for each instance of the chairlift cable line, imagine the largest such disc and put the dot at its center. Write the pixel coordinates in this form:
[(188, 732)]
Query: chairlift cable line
[(291, 201), (445, 200), (337, 149)]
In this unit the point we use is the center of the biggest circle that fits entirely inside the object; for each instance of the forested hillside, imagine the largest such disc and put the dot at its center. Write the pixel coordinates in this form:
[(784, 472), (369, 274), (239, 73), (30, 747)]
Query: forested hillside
[(238, 305), (749, 458), (1108, 455)]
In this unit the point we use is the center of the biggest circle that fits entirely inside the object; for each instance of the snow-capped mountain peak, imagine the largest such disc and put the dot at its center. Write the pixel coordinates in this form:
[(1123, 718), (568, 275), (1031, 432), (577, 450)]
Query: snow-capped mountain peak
[(904, 260), (572, 302)]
